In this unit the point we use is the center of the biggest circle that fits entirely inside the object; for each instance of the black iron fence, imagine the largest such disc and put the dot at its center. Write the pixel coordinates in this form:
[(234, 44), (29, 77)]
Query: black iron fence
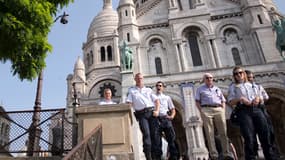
[(56, 132)]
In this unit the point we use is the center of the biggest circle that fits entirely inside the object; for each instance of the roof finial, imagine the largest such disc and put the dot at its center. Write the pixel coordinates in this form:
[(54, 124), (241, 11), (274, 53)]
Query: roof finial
[(107, 4)]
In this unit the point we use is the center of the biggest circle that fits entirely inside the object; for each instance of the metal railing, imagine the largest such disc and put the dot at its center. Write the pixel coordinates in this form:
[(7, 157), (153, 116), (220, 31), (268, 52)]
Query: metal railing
[(90, 148), (55, 137)]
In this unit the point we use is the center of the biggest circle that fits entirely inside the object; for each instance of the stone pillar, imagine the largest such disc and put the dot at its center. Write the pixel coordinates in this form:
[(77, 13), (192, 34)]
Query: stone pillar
[(116, 121), (178, 57), (216, 55), (182, 55), (193, 125), (127, 82), (211, 54)]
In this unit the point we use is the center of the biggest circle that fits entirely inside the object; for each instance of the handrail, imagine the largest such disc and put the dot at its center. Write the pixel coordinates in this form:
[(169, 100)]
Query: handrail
[(89, 148)]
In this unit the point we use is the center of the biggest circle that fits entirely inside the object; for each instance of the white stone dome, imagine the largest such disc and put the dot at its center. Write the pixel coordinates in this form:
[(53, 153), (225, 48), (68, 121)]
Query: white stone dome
[(123, 2), (104, 24)]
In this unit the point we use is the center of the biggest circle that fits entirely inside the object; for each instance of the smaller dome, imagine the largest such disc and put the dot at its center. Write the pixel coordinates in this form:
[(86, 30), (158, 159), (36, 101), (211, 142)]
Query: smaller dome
[(79, 65), (123, 2)]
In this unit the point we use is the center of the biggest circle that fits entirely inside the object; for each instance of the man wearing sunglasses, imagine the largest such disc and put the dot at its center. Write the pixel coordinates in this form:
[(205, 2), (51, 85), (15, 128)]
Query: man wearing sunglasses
[(251, 118), (166, 115), (211, 104)]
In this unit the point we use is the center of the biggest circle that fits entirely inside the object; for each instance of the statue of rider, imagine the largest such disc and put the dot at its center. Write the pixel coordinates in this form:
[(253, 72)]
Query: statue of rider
[(126, 56), (279, 26)]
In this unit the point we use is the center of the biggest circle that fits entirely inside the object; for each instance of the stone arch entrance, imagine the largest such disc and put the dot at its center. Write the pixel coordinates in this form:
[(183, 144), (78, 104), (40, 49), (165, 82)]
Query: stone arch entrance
[(276, 109), (179, 128)]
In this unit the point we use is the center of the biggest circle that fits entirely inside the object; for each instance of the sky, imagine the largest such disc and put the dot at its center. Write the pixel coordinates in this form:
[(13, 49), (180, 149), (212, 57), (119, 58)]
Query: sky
[(67, 40)]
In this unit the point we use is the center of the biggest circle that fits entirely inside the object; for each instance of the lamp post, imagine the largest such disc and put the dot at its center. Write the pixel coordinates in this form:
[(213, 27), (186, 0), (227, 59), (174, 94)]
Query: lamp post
[(35, 130), (75, 104)]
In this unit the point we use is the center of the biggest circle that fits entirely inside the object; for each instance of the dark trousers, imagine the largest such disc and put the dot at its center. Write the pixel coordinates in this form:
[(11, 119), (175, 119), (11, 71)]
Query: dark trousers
[(271, 133), (167, 127), (149, 127), (253, 121)]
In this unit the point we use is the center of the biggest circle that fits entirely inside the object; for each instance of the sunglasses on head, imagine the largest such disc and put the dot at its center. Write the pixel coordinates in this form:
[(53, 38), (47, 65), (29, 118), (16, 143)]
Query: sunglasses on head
[(237, 73)]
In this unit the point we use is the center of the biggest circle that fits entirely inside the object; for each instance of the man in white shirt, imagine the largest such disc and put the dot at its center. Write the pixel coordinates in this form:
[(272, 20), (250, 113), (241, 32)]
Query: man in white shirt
[(146, 106), (166, 115)]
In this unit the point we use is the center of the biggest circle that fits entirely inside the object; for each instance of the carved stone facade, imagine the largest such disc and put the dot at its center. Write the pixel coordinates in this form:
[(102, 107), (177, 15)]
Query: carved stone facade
[(177, 41)]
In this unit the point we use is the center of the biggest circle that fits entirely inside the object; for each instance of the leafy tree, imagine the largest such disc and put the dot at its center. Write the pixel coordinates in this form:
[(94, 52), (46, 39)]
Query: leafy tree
[(24, 28)]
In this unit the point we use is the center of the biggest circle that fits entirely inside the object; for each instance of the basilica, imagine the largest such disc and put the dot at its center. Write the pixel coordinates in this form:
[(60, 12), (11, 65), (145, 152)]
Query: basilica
[(177, 42)]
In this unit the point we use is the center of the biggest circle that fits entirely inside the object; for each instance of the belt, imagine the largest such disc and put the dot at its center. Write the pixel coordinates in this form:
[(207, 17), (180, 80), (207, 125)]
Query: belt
[(211, 106), (145, 110)]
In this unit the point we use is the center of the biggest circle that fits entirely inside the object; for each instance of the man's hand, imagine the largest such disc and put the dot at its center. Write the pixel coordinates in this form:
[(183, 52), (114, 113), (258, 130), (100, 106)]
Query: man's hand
[(245, 101), (256, 101), (170, 117), (155, 113)]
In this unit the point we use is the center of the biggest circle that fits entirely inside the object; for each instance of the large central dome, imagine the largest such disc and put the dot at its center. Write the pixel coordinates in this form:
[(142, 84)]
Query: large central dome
[(105, 23)]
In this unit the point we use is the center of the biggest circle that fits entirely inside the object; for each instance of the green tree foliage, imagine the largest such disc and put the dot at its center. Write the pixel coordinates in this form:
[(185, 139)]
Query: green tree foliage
[(24, 28)]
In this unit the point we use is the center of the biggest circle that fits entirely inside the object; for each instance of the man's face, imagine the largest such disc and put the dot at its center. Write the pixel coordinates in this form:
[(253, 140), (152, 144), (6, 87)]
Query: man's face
[(108, 94), (139, 79), (159, 87), (239, 75), (250, 77), (208, 79)]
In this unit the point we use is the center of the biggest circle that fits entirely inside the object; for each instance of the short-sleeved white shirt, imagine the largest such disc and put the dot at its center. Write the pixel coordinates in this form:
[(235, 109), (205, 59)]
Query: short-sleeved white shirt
[(104, 102), (166, 104), (242, 89), (141, 97)]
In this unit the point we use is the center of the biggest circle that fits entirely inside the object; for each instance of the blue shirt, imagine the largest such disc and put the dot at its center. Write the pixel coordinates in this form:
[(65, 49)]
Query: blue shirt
[(209, 95)]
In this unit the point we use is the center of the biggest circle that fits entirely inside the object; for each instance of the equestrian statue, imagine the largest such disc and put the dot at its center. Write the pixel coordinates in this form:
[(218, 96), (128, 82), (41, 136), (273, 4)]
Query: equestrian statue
[(126, 56), (279, 26)]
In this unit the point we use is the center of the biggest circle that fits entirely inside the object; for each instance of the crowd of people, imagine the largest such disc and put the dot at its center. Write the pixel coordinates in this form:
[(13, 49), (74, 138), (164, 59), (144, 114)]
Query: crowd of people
[(155, 111)]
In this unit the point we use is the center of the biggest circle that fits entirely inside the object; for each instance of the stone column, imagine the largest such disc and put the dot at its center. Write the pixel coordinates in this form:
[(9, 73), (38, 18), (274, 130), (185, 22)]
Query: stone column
[(178, 57), (182, 55), (212, 56), (215, 53), (193, 124)]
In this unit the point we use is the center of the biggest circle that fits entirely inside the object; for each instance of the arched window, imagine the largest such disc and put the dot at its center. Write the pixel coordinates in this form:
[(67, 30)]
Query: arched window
[(126, 13), (236, 56), (91, 57), (3, 129), (259, 19), (128, 37), (194, 48), (103, 57), (87, 59), (158, 65), (191, 6), (180, 5), (109, 52)]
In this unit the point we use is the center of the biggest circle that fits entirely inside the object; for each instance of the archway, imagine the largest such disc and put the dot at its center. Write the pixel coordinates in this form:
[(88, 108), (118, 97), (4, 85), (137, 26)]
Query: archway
[(276, 109), (179, 128)]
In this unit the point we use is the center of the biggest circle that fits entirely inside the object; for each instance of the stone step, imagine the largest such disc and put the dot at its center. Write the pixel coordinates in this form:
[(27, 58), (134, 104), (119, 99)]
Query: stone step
[(31, 158)]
